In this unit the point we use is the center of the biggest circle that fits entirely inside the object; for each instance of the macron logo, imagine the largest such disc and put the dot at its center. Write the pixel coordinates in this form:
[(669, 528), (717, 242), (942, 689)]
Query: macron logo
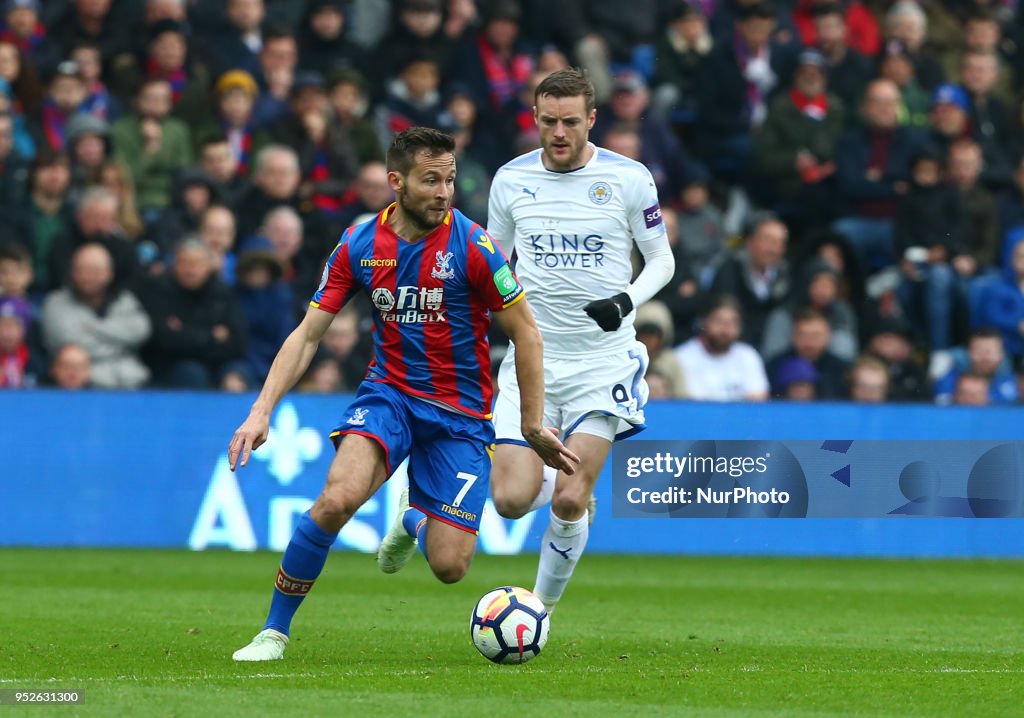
[(652, 216)]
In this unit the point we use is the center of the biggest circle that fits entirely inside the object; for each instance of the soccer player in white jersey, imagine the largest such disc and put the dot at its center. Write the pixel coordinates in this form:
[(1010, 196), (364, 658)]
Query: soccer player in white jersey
[(573, 212)]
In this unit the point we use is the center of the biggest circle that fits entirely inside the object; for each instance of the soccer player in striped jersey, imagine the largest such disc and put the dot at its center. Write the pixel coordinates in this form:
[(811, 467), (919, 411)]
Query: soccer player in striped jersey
[(573, 213), (435, 278)]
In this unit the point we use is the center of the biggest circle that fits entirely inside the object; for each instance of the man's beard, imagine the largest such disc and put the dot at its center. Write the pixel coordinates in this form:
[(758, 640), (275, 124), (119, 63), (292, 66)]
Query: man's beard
[(716, 346), (419, 220)]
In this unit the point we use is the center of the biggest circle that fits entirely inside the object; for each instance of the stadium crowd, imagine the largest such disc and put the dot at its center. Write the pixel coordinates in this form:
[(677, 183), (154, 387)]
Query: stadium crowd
[(841, 180)]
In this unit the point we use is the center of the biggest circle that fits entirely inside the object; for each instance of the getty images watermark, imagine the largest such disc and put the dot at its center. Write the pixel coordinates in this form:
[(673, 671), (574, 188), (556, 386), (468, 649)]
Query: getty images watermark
[(667, 464), (838, 479)]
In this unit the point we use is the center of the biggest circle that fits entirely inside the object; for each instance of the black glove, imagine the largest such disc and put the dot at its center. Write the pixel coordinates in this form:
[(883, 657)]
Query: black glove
[(608, 313)]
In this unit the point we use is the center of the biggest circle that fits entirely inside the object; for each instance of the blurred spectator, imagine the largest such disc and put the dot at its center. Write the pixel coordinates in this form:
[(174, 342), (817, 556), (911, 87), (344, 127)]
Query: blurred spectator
[(23, 79), (1001, 303), (70, 368), (896, 65), (236, 92), (109, 323), (327, 158), (412, 99), (64, 97), (869, 381), (906, 21), (48, 212), (95, 221), (985, 357), (819, 290), (793, 152), (15, 270), (862, 28), (973, 389), (114, 176), (349, 103), (736, 81), (416, 32), (928, 233), (18, 366), (217, 231), (275, 184), (981, 239), (166, 57), (153, 145), (473, 180), (983, 36), (679, 51), (872, 172), (198, 327), (601, 36), (323, 46), (483, 144), (91, 21), (494, 67), (950, 121), (238, 44), (757, 274), (795, 379), (701, 234), (989, 113), (836, 251), (716, 365), (218, 161), (697, 241), (282, 229), (373, 193), (279, 59), (13, 169), (89, 146), (848, 70), (22, 27), (322, 377), (889, 341), (267, 303), (1010, 204), (653, 324), (98, 99), (349, 346), (192, 194), (23, 141), (660, 150), (810, 341)]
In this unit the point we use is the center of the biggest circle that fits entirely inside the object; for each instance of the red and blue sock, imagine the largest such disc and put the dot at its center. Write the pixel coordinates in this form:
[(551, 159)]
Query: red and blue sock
[(302, 563)]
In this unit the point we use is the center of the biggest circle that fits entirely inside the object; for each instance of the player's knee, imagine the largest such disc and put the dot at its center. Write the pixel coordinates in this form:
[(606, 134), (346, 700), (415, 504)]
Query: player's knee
[(508, 504), (570, 502), (451, 571), (336, 506)]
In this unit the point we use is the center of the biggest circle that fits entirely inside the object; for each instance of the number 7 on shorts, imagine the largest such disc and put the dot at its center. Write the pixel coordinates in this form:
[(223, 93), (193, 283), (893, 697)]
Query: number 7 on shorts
[(469, 480)]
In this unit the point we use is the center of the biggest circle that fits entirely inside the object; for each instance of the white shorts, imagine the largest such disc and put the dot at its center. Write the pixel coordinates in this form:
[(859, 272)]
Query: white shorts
[(603, 395)]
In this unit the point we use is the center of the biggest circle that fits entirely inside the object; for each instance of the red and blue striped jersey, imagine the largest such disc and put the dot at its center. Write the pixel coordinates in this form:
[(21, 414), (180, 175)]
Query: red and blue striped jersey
[(432, 300)]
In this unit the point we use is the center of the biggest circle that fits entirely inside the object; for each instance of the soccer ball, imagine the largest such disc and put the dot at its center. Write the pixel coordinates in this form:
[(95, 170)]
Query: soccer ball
[(509, 625)]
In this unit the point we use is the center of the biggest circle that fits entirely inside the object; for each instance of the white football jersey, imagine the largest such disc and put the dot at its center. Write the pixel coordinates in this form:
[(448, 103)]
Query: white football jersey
[(573, 234)]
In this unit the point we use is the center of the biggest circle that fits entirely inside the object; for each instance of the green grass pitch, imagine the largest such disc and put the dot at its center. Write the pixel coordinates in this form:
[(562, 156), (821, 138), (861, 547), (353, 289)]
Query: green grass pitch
[(150, 633)]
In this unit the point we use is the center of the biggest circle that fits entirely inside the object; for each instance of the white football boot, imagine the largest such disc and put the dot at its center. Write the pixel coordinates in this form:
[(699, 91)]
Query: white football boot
[(398, 546), (268, 645)]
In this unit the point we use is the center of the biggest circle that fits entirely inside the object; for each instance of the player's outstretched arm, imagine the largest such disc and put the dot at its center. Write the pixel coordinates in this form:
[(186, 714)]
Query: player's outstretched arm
[(518, 323), (291, 362)]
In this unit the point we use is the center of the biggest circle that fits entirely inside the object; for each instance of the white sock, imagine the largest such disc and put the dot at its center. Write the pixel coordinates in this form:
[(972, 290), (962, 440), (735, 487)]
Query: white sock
[(547, 489), (560, 550)]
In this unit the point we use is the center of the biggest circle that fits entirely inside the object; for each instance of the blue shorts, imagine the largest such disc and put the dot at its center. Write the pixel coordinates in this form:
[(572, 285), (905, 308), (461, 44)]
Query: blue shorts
[(449, 454)]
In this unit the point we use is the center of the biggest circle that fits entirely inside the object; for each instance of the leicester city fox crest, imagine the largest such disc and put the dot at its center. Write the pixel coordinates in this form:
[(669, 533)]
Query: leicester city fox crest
[(443, 268)]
